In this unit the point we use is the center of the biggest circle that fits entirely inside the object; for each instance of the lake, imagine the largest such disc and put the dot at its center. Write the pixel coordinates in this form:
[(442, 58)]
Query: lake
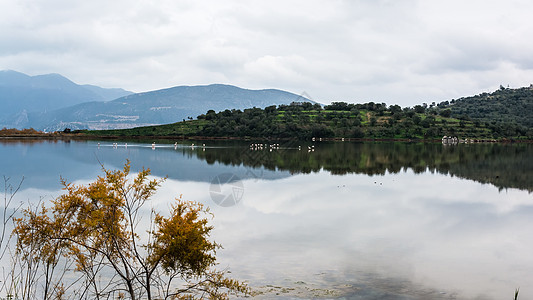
[(331, 219)]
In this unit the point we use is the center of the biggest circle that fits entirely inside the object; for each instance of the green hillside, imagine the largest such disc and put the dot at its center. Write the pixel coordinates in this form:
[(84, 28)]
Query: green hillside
[(338, 120), (508, 112)]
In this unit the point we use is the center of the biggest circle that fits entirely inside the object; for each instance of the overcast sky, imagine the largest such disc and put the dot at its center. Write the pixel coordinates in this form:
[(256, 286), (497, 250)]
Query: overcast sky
[(395, 51)]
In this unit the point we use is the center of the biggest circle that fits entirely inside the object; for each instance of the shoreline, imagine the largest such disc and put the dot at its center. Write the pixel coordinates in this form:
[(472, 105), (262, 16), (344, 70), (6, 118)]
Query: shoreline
[(66, 136)]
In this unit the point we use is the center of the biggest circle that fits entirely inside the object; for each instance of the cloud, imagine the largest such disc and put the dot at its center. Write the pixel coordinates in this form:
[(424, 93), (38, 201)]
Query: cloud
[(382, 51)]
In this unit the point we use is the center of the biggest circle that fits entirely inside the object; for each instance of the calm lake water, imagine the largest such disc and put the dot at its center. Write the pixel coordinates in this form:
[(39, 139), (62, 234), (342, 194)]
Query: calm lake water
[(332, 220)]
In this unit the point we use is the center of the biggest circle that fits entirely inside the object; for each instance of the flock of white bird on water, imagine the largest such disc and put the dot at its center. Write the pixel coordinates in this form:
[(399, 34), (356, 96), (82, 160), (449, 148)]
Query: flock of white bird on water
[(271, 147), (253, 147)]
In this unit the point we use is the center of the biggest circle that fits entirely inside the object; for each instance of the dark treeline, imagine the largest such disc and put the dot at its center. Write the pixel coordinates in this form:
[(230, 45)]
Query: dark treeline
[(503, 165)]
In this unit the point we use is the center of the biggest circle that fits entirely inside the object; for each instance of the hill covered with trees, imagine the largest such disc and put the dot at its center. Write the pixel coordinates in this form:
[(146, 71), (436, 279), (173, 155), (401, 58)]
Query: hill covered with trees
[(504, 111), (338, 120), (503, 114)]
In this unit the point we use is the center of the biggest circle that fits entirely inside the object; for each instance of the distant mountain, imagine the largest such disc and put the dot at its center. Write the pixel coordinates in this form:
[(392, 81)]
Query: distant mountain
[(107, 94), (21, 95), (158, 107)]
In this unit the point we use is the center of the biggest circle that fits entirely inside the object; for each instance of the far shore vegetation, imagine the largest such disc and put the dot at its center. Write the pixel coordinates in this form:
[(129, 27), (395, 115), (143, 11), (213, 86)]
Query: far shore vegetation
[(506, 114)]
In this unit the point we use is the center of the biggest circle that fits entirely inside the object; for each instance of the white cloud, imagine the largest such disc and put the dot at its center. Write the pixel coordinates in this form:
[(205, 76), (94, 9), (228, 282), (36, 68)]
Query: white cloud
[(384, 51)]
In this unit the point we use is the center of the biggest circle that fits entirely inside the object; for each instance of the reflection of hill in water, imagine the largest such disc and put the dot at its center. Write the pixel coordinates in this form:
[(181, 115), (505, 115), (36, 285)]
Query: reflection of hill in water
[(503, 165), (42, 162)]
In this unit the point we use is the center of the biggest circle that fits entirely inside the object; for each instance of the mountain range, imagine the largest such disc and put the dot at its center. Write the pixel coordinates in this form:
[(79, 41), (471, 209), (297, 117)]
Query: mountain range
[(52, 102), (21, 94)]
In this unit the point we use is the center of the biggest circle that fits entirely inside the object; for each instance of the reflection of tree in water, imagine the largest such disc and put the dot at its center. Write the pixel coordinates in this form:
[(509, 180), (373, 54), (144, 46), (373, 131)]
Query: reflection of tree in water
[(503, 165)]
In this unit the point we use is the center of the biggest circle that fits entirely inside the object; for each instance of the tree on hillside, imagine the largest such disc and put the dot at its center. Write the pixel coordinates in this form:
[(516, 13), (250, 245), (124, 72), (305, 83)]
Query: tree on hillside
[(420, 109), (446, 113), (340, 106), (395, 109), (210, 115), (99, 228)]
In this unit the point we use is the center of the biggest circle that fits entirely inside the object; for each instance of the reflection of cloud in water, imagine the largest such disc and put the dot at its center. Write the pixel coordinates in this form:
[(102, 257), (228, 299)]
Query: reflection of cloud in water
[(448, 234), (421, 230)]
